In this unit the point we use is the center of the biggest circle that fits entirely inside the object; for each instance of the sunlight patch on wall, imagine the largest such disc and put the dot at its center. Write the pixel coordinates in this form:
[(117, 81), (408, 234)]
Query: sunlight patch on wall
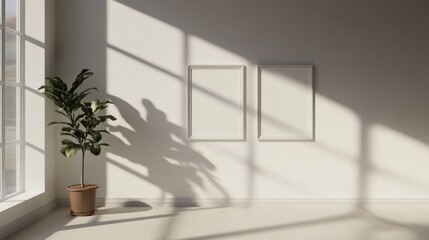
[(35, 104), (34, 19), (331, 157), (303, 168), (35, 170), (338, 129), (128, 86), (34, 68), (145, 37), (398, 164), (204, 52)]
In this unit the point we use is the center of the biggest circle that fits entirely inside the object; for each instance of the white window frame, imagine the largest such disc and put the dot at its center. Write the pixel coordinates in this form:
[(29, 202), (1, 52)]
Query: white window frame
[(20, 84)]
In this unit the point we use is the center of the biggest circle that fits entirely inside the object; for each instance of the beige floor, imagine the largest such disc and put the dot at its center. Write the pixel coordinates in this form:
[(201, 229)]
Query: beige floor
[(266, 222)]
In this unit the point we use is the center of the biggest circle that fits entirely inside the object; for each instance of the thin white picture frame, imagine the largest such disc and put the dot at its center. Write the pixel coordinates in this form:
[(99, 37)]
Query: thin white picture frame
[(241, 110), (309, 121)]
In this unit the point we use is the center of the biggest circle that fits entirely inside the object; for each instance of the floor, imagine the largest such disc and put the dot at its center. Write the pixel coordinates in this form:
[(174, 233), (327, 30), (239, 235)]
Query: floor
[(276, 221)]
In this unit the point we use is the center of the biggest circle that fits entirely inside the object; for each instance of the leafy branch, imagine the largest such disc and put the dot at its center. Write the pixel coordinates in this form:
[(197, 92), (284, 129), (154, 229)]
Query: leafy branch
[(82, 118)]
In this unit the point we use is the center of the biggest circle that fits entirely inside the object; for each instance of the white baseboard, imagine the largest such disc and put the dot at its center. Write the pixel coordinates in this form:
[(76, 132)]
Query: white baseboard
[(211, 202), (136, 202), (27, 219)]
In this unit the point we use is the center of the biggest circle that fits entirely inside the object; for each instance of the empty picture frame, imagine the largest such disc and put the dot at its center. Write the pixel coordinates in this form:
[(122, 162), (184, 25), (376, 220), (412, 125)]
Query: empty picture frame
[(285, 103), (216, 103)]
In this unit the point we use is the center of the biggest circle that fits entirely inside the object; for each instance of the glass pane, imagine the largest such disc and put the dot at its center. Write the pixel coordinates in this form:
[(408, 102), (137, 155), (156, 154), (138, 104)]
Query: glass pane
[(11, 14), (11, 164), (12, 113), (12, 51)]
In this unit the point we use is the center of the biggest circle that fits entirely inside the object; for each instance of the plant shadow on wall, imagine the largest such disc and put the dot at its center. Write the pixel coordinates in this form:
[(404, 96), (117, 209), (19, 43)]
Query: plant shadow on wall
[(162, 148)]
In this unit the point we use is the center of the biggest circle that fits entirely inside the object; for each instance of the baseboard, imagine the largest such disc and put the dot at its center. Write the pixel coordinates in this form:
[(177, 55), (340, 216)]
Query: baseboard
[(136, 202), (211, 202), (27, 219)]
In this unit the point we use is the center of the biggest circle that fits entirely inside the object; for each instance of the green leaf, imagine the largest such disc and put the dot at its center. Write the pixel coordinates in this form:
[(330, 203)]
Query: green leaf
[(94, 105), (68, 134), (95, 135), (79, 117), (87, 144), (102, 105), (80, 134), (105, 103), (66, 123), (77, 98), (102, 131), (84, 123), (89, 140), (68, 129), (69, 142), (104, 118), (95, 149), (81, 77), (57, 82), (57, 101), (58, 91), (89, 89), (87, 110), (50, 93), (61, 111), (99, 108), (71, 152), (64, 149)]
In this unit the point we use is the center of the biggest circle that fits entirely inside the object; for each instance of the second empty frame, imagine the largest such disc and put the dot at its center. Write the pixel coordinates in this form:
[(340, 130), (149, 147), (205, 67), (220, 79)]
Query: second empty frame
[(216, 103), (285, 103)]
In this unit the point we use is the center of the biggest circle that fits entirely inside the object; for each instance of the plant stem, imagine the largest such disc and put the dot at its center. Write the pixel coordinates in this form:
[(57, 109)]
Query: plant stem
[(82, 170)]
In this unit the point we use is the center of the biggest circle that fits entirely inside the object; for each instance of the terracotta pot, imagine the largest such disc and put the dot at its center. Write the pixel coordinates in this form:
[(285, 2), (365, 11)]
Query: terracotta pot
[(82, 200)]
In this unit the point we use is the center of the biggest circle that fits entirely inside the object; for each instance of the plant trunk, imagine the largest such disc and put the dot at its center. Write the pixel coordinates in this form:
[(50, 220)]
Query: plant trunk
[(82, 169)]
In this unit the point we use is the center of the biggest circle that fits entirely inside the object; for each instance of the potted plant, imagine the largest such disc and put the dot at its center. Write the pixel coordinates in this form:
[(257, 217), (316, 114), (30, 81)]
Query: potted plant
[(80, 128)]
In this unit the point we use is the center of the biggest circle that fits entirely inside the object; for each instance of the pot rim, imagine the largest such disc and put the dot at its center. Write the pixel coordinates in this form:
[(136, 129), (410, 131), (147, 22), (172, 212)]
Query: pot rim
[(87, 187)]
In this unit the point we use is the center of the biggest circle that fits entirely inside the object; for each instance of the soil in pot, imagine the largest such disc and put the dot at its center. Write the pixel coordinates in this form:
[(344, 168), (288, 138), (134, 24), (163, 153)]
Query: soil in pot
[(82, 199)]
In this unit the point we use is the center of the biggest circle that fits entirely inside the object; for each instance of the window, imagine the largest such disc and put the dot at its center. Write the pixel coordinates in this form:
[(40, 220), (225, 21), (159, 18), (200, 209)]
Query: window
[(12, 99)]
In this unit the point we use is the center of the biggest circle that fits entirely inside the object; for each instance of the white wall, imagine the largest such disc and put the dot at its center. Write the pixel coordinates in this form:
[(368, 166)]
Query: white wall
[(371, 117), (39, 50)]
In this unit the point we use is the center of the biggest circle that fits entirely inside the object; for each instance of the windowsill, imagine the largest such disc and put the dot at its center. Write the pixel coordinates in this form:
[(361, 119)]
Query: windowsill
[(16, 200)]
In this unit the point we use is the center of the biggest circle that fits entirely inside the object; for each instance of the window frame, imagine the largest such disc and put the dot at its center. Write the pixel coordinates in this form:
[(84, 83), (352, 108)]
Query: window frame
[(20, 85)]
